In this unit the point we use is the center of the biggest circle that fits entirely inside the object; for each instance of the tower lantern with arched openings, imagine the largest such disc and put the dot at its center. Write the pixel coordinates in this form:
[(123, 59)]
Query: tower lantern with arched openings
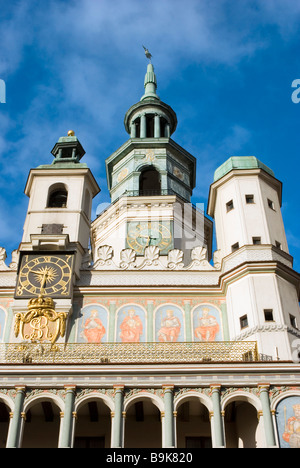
[(150, 151)]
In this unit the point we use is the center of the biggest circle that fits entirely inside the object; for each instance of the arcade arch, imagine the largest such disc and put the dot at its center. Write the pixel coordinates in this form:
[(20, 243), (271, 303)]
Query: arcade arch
[(143, 422), (242, 424), (93, 422), (193, 428), (5, 409), (41, 422)]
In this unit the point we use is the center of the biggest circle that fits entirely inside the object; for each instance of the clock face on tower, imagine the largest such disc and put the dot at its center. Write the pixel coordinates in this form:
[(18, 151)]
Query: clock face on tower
[(48, 274), (142, 234)]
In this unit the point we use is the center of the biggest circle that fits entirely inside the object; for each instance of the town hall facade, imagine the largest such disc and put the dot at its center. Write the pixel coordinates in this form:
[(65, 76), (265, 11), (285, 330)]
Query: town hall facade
[(131, 330)]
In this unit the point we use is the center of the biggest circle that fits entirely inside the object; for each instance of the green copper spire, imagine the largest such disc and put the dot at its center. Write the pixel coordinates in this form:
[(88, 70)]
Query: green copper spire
[(150, 84), (150, 117)]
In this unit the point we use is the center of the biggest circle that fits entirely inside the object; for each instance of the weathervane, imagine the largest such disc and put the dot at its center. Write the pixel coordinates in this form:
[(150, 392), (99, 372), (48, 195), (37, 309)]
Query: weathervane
[(147, 53)]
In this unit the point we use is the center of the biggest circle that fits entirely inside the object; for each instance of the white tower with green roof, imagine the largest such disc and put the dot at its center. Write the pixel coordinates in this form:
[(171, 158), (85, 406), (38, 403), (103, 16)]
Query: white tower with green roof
[(262, 293), (60, 202)]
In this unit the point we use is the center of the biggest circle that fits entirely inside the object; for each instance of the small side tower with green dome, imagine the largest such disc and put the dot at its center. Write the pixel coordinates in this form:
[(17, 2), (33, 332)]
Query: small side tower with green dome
[(245, 201)]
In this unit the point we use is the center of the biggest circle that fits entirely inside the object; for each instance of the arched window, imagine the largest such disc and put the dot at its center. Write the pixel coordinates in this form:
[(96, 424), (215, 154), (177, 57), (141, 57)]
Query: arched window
[(150, 182), (58, 196)]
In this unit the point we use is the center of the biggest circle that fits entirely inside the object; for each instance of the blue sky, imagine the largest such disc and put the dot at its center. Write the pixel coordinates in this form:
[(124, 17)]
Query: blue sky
[(225, 67)]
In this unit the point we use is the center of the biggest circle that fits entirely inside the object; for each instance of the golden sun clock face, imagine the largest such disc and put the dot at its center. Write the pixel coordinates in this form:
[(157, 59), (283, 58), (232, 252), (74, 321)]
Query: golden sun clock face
[(47, 274), (142, 234)]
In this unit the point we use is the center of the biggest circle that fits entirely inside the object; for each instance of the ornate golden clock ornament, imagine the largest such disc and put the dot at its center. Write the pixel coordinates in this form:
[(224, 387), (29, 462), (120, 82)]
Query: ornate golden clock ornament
[(47, 274), (41, 322)]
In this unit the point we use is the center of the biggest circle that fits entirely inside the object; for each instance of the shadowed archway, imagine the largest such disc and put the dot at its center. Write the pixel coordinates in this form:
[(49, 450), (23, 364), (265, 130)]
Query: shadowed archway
[(149, 182)]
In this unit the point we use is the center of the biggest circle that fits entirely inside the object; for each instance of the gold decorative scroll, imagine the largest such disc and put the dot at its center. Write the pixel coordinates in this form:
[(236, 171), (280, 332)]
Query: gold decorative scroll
[(41, 323)]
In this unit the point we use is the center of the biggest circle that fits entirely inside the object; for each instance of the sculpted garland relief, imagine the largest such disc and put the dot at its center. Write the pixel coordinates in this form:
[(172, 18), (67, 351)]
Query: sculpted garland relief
[(151, 259)]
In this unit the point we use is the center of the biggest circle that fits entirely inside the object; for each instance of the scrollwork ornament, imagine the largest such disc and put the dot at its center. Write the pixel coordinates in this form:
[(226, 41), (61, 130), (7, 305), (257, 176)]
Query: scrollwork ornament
[(128, 259), (105, 254), (151, 254), (175, 259)]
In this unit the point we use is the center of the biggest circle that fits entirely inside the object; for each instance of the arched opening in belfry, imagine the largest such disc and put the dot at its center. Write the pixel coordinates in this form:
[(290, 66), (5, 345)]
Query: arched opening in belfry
[(150, 125), (150, 183), (137, 128), (58, 196)]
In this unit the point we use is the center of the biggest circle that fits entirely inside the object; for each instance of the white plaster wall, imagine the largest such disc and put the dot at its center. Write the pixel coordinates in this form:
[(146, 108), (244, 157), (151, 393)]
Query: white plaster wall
[(273, 218), (250, 296), (239, 303), (289, 301), (229, 229)]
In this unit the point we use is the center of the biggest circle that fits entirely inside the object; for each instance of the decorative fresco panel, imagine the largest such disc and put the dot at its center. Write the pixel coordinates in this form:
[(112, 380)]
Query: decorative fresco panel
[(207, 323), (169, 324), (288, 422), (93, 324), (131, 324), (117, 319)]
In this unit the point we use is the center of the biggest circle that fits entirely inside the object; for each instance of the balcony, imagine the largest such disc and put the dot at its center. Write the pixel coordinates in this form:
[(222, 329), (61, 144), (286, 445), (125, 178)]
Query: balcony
[(148, 193), (129, 353)]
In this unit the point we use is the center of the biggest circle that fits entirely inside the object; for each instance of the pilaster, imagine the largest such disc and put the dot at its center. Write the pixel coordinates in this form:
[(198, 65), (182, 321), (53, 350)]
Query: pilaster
[(67, 419), (267, 415), (217, 416), (169, 432), (117, 426), (13, 438)]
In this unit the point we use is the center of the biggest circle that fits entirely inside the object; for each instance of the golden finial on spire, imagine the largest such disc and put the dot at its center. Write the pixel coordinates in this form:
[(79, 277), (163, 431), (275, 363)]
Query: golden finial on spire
[(71, 133)]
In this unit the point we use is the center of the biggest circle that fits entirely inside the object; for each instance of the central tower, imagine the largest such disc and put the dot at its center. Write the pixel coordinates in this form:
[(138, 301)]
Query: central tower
[(151, 179), (150, 163)]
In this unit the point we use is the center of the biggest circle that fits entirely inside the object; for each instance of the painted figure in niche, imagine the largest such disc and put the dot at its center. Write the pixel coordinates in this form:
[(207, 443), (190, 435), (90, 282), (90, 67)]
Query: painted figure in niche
[(93, 328), (170, 328), (291, 434), (208, 326), (131, 328)]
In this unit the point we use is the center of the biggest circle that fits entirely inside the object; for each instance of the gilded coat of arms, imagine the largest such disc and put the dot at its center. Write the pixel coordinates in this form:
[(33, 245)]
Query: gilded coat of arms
[(41, 323)]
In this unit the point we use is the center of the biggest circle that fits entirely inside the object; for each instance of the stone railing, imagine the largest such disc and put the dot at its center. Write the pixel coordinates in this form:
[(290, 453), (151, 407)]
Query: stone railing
[(128, 353)]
